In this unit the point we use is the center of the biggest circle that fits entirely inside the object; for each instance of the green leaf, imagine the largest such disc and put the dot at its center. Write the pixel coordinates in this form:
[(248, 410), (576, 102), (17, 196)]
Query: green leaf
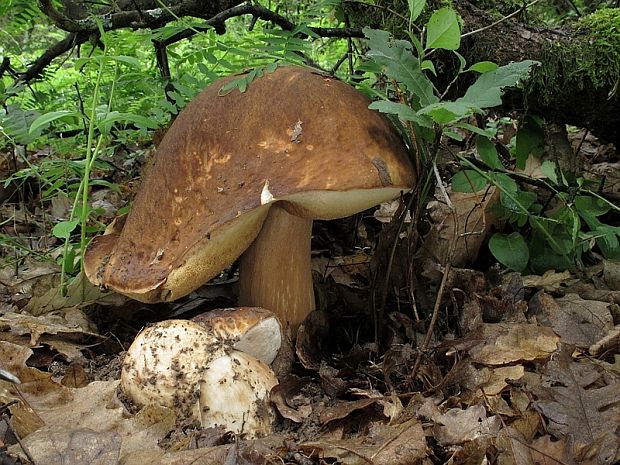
[(488, 153), (443, 30), (475, 129), (529, 140), (548, 168), (505, 183), (397, 61), (426, 65), (53, 116), (468, 181), (486, 92), (453, 135), (591, 206), (483, 67), (403, 111), (607, 241), (510, 250), (447, 112), (64, 229), (113, 117), (415, 8)]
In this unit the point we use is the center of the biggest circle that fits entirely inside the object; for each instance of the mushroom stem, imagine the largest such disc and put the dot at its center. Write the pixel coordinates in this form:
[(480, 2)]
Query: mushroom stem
[(275, 271)]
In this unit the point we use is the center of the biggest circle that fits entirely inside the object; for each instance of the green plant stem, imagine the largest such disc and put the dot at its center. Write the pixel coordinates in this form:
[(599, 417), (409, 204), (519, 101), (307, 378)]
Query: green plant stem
[(524, 210), (83, 188)]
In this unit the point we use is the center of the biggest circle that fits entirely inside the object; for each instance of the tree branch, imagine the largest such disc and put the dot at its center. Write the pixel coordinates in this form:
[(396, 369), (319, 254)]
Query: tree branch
[(260, 12), (146, 15)]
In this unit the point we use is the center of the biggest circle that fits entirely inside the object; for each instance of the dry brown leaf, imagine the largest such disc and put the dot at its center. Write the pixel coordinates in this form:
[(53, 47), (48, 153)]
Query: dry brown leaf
[(32, 277), (471, 222), (458, 426), (50, 416), (80, 293), (344, 409), (498, 379), (550, 281), (577, 321), (283, 395), (580, 401), (546, 451), (70, 322), (611, 274), (403, 444), (513, 448), (75, 447), (504, 344)]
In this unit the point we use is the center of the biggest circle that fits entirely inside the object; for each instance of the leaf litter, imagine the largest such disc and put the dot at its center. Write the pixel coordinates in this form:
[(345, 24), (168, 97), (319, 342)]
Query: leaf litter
[(520, 370)]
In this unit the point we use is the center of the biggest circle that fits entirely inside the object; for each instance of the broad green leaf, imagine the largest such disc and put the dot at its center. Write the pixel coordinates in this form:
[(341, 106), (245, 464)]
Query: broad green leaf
[(543, 258), (591, 205), (488, 153), (128, 60), (415, 8), (53, 116), (64, 229), (403, 111), (468, 181), (397, 61), (486, 92), (483, 67), (510, 250), (101, 59), (443, 30), (447, 112), (462, 61)]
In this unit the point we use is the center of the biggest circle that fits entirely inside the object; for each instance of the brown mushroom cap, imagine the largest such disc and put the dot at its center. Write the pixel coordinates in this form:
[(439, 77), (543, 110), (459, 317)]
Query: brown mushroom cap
[(294, 138), (253, 330)]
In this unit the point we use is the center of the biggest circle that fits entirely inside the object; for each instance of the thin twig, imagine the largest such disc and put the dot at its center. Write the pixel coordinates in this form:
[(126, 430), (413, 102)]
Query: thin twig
[(7, 420), (438, 299), (501, 20)]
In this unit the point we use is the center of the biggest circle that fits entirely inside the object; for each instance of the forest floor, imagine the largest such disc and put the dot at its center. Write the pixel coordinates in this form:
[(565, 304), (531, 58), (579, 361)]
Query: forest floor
[(520, 369)]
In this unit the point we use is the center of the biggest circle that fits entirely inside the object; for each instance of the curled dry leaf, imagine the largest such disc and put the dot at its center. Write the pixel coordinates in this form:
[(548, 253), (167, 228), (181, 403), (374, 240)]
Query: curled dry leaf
[(284, 397), (469, 224), (550, 281), (503, 344), (458, 426)]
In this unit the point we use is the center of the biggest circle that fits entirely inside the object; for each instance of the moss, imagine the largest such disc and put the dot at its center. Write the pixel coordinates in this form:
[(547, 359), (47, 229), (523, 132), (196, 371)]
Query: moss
[(590, 60)]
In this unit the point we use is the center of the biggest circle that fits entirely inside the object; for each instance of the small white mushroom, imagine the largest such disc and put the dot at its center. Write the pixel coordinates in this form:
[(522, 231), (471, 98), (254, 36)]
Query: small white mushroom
[(165, 363), (213, 369), (234, 393)]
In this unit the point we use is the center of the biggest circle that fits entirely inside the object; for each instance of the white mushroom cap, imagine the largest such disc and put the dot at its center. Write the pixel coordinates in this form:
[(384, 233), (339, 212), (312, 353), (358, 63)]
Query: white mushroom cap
[(173, 362), (234, 393), (165, 364)]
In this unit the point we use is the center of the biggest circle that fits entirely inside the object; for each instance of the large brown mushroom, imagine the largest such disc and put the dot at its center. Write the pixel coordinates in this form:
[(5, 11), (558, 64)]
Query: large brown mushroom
[(248, 172)]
